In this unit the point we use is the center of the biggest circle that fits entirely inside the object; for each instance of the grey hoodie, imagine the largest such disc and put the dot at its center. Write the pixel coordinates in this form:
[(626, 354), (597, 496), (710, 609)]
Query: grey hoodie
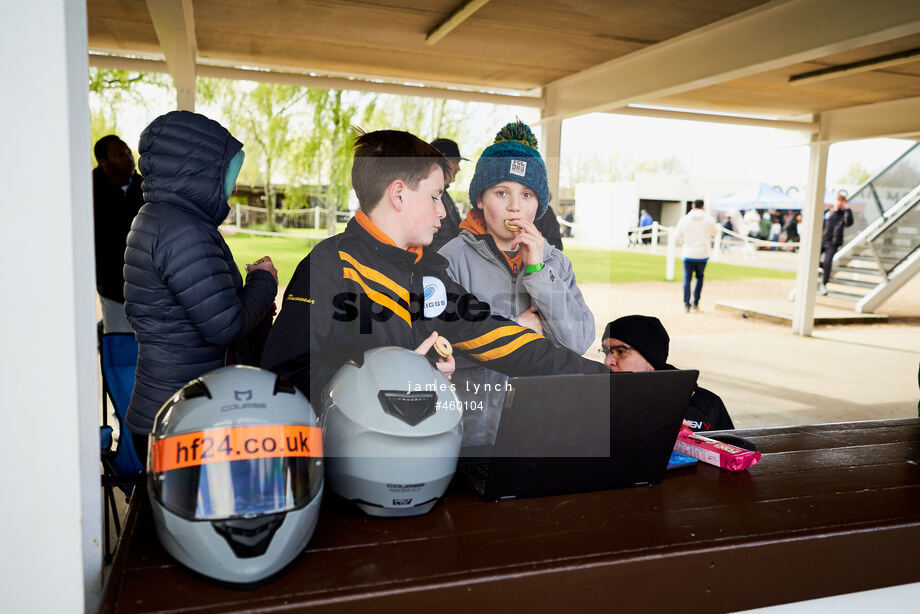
[(566, 319)]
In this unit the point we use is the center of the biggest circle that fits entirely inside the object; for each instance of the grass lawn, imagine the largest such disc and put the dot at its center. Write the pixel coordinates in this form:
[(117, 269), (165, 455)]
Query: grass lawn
[(598, 265), (591, 265), (286, 252)]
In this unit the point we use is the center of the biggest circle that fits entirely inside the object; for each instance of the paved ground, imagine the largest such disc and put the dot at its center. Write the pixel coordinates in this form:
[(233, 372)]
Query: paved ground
[(766, 375)]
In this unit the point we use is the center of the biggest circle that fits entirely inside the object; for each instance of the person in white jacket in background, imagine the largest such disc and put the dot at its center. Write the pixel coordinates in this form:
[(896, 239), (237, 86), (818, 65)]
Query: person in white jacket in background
[(696, 230)]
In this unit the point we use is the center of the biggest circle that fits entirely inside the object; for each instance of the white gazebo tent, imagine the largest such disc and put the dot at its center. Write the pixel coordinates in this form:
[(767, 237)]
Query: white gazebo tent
[(830, 70), (758, 196)]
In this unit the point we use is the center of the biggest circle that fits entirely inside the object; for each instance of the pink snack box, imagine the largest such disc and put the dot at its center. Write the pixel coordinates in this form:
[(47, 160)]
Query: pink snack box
[(714, 452)]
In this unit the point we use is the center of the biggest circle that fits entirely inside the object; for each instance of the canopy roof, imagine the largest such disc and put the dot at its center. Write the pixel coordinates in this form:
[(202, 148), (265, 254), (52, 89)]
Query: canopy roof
[(760, 196), (567, 57)]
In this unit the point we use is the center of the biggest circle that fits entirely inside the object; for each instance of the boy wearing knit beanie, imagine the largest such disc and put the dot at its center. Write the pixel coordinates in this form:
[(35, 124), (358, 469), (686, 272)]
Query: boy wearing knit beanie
[(640, 343), (501, 257)]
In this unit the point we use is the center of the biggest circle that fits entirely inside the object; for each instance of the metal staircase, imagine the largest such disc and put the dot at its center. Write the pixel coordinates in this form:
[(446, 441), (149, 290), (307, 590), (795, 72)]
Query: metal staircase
[(880, 253)]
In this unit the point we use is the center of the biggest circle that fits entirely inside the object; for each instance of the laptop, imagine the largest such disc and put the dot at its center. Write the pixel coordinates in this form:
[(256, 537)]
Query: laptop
[(562, 434)]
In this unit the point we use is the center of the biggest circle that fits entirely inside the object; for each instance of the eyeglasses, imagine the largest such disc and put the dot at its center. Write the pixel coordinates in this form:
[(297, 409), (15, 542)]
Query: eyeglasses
[(619, 350)]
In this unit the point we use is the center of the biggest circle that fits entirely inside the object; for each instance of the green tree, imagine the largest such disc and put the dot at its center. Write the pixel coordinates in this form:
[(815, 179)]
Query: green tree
[(101, 123), (577, 167), (670, 165), (263, 117), (432, 118), (119, 86), (856, 174), (322, 157), (112, 90)]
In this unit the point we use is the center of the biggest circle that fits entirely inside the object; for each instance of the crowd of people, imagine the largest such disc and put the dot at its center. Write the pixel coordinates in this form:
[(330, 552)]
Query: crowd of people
[(407, 269)]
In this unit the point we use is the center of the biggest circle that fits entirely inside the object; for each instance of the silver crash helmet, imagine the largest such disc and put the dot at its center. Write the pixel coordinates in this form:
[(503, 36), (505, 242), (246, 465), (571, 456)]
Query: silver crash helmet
[(391, 431), (235, 474)]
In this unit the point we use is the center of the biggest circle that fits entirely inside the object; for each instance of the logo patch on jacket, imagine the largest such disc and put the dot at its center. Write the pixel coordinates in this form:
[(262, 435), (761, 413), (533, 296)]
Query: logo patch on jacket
[(301, 299), (518, 167), (435, 296)]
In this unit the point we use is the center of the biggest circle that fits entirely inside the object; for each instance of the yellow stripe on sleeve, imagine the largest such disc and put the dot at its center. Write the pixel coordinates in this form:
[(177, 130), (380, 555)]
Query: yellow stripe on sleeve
[(376, 276), (381, 299), (489, 337), (506, 349)]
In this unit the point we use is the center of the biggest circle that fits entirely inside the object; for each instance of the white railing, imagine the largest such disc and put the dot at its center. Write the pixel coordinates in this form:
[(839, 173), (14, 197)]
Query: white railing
[(748, 243), (245, 217)]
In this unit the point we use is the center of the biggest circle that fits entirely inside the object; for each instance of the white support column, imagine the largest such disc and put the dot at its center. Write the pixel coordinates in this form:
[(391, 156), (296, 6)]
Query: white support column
[(551, 150), (803, 317), (174, 23), (551, 144), (51, 559)]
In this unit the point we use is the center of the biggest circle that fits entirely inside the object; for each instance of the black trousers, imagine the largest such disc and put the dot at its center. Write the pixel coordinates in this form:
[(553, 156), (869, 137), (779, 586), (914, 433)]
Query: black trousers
[(827, 259)]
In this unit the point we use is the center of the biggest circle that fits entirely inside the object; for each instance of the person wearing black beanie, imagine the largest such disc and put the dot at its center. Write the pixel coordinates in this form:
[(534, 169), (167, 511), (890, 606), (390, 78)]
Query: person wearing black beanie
[(640, 343)]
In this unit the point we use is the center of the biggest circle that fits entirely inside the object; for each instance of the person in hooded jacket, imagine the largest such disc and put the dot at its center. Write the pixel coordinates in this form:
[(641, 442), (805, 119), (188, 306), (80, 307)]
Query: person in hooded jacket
[(184, 295), (696, 230), (502, 257)]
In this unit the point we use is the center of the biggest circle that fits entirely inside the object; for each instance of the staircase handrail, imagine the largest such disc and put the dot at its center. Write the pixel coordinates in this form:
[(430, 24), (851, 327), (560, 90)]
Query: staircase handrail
[(872, 179), (880, 224)]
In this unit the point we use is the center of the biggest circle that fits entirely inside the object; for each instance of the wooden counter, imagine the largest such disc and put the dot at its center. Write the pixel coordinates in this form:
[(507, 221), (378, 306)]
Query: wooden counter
[(830, 509)]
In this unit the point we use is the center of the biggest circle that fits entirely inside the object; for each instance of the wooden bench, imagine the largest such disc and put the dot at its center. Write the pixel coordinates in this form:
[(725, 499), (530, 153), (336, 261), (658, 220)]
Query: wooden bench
[(830, 509)]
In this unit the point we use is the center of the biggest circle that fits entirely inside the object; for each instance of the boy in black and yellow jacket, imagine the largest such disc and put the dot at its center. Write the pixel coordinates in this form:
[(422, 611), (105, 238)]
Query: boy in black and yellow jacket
[(374, 285)]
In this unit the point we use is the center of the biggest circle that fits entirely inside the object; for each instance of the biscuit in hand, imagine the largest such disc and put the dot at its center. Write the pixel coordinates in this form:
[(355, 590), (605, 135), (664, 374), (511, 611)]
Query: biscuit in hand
[(442, 347)]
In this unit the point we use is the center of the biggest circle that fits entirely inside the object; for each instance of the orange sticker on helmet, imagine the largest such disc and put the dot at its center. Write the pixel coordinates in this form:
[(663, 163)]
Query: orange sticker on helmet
[(236, 443)]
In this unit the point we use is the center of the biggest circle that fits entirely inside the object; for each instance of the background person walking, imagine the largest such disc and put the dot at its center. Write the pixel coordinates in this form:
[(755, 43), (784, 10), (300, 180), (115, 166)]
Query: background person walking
[(835, 220), (696, 230), (645, 220)]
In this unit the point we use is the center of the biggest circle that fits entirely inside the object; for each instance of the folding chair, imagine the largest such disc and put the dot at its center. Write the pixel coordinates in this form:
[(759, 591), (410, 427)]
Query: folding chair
[(121, 467)]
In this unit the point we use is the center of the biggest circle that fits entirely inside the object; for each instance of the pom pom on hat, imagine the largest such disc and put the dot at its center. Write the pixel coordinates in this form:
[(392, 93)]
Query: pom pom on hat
[(514, 156), (517, 131)]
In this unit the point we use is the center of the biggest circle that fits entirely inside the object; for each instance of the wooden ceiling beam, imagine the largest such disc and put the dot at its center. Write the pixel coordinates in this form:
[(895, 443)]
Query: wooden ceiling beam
[(892, 119), (456, 18), (807, 127), (174, 23), (843, 70), (762, 39), (332, 83)]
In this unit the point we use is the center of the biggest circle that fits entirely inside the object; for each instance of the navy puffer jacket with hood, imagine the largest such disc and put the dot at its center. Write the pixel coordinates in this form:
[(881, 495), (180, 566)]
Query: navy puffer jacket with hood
[(184, 295)]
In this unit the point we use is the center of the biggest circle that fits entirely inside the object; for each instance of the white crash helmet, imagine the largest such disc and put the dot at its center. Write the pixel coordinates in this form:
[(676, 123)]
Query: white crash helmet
[(391, 431), (235, 474)]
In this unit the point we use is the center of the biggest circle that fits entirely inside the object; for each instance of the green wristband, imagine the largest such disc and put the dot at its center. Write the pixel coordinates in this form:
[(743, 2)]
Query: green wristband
[(534, 268)]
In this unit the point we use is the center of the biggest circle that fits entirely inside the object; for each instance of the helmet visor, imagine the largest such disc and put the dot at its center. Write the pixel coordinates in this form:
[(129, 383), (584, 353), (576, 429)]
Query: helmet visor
[(237, 471)]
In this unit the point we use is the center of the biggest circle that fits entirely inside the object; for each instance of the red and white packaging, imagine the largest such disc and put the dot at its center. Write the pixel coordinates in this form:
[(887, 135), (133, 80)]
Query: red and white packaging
[(714, 452)]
